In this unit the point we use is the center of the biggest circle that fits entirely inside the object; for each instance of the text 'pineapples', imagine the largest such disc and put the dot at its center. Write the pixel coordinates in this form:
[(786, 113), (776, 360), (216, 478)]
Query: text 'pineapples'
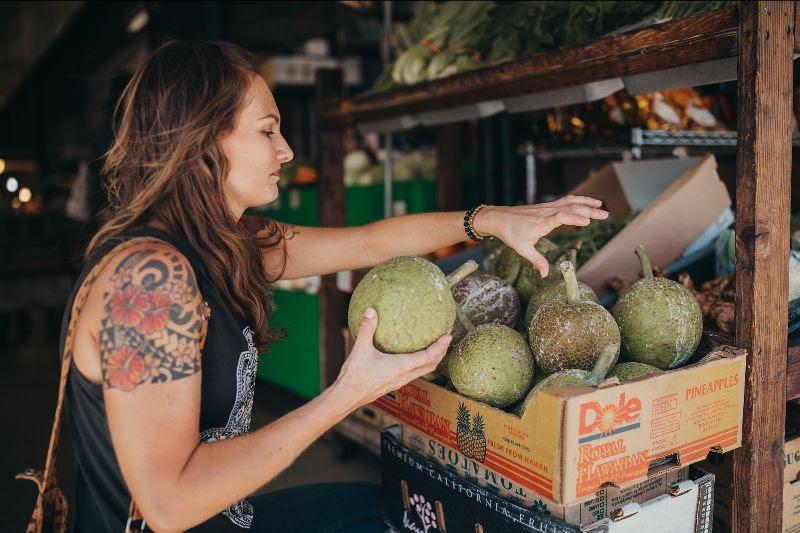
[(659, 319), (413, 299), (573, 376), (492, 364), (569, 332)]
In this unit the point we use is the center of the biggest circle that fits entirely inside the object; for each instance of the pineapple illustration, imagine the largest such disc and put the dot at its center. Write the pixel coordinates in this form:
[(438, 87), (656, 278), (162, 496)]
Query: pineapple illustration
[(463, 435), (540, 507), (478, 439)]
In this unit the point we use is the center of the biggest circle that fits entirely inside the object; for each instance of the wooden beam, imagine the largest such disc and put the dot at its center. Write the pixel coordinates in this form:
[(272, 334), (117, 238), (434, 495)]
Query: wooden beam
[(763, 169), (448, 167), (703, 37), (331, 212)]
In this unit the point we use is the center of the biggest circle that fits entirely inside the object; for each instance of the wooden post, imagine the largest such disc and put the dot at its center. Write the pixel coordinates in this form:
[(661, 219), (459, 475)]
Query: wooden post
[(448, 167), (763, 166), (331, 211)]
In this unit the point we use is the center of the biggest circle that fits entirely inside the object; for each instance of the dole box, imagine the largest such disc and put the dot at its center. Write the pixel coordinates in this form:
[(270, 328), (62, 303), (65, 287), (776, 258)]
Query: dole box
[(572, 441)]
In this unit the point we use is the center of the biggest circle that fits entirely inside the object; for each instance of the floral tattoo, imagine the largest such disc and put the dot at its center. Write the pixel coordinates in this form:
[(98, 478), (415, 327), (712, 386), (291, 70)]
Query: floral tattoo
[(151, 328)]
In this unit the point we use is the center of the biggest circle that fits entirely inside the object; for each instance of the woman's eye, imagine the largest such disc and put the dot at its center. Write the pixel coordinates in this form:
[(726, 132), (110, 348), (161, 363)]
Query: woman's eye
[(269, 134)]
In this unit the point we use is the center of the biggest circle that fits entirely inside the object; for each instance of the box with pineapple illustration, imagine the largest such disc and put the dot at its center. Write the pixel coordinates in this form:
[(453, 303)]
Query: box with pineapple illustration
[(602, 504), (573, 441), (420, 496)]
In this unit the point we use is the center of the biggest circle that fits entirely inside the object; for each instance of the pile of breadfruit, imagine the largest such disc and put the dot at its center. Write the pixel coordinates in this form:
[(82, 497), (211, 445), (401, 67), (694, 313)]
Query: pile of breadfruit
[(516, 333)]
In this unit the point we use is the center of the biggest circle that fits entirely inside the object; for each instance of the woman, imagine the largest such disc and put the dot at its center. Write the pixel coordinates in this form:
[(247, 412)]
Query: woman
[(160, 417)]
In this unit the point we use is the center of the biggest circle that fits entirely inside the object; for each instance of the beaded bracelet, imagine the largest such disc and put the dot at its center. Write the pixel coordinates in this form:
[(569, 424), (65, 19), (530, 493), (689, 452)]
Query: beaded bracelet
[(469, 218)]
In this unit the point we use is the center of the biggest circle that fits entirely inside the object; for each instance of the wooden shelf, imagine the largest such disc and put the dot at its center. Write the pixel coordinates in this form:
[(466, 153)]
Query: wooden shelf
[(703, 37)]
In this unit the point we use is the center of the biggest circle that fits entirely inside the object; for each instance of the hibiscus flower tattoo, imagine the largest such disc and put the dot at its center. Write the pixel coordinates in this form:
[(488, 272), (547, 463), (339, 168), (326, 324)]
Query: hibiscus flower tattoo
[(151, 329)]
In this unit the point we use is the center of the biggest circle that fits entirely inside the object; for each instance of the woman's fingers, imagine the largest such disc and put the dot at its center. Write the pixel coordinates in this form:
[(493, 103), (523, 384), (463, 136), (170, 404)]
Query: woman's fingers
[(429, 356), (536, 259), (589, 212), (567, 218), (579, 200), (366, 330)]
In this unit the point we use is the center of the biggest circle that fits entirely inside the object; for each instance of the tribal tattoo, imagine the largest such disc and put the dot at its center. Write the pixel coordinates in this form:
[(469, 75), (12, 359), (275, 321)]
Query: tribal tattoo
[(151, 328)]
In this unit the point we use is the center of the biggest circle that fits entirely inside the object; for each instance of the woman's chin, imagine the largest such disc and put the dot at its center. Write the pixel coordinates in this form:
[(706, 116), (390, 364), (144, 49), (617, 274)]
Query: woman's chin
[(271, 193)]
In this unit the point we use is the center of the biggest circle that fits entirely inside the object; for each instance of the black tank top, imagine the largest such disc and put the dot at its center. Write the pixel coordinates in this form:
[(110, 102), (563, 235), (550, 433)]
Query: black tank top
[(229, 362)]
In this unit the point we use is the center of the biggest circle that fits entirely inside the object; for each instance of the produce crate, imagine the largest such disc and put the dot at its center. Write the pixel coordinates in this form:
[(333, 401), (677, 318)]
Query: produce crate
[(574, 440), (294, 362), (678, 200), (420, 495)]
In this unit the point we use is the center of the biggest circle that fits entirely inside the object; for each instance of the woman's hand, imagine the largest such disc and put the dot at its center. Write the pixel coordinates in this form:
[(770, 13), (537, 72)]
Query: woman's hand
[(521, 227), (368, 373)]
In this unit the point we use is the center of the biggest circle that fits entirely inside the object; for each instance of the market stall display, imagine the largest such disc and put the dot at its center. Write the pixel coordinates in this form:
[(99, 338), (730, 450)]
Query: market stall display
[(698, 40)]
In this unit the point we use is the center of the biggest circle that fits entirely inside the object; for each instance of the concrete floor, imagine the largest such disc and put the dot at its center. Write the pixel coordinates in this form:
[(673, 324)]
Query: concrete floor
[(28, 390)]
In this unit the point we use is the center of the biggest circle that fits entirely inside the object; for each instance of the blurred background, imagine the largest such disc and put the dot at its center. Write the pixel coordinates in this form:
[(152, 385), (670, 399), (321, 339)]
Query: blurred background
[(64, 64)]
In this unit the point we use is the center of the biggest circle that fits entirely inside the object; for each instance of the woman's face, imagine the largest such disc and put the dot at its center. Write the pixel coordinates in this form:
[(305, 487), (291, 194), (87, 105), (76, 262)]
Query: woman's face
[(255, 151)]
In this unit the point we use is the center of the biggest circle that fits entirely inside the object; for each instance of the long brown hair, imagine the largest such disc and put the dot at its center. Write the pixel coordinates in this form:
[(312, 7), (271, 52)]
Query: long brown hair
[(167, 165)]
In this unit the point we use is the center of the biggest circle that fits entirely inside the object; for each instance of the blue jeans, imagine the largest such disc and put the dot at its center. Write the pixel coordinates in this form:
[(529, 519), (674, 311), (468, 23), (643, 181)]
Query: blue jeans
[(322, 508)]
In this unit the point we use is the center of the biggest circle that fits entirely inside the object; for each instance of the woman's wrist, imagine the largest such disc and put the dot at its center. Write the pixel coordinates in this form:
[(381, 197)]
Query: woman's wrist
[(484, 221), (339, 400)]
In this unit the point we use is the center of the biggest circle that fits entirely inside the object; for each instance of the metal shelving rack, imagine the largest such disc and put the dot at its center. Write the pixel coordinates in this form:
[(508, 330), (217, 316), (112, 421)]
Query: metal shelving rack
[(760, 38)]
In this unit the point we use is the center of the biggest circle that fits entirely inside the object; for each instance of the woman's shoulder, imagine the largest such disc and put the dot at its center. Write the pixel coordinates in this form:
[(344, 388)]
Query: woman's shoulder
[(160, 259), (143, 276)]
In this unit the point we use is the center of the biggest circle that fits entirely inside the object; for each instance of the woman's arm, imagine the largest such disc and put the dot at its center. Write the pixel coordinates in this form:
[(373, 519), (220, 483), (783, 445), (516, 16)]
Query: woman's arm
[(317, 251), (148, 338)]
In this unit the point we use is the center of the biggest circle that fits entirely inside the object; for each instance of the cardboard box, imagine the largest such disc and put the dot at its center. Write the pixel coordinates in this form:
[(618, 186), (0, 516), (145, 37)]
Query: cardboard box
[(599, 505), (791, 486), (677, 200), (421, 496), (720, 466), (574, 440)]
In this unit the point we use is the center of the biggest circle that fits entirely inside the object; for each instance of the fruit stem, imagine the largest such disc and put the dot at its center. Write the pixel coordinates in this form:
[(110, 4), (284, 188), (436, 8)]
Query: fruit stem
[(461, 272), (604, 363), (553, 255), (570, 283), (464, 319), (647, 269), (572, 256)]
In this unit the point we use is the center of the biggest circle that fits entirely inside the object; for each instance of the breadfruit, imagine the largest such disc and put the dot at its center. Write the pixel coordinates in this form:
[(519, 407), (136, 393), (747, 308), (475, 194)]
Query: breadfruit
[(492, 364), (573, 376), (521, 273), (485, 299), (568, 332), (632, 370), (659, 319), (413, 299)]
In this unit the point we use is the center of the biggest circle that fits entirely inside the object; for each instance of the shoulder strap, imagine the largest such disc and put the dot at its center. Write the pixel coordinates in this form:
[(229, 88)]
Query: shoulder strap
[(47, 479)]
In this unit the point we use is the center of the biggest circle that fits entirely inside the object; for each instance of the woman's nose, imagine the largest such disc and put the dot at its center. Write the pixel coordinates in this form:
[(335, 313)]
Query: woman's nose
[(285, 153)]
